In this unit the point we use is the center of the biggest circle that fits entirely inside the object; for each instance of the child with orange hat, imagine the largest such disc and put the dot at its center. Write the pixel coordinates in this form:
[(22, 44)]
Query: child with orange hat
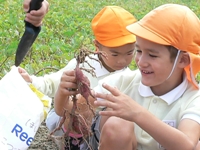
[(157, 106), (112, 38)]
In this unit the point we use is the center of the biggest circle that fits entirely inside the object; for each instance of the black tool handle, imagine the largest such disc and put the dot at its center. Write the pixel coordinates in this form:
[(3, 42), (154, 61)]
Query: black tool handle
[(35, 5), (29, 36)]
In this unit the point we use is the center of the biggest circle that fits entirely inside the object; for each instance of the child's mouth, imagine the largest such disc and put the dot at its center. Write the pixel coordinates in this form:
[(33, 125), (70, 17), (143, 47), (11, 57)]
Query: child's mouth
[(146, 72)]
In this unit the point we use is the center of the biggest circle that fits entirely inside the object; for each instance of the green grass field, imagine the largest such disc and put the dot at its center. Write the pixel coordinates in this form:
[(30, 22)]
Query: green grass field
[(66, 28)]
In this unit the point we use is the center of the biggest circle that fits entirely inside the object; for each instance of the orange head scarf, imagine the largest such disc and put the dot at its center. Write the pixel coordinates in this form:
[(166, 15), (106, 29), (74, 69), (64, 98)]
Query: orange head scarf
[(109, 26), (175, 25)]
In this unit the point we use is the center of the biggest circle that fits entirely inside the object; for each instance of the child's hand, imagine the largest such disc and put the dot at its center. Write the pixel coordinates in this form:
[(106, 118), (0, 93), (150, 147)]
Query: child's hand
[(68, 84), (121, 105), (35, 17), (25, 75)]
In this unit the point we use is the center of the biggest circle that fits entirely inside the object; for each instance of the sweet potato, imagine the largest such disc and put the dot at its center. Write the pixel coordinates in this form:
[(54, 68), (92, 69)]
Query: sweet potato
[(75, 121)]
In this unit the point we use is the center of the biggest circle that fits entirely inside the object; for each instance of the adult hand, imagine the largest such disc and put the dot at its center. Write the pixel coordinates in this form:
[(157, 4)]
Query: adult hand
[(25, 75), (121, 105), (35, 17)]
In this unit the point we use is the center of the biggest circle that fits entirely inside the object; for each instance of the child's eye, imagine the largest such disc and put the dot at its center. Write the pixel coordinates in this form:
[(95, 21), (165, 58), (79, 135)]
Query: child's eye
[(130, 53), (152, 55), (138, 51), (114, 54)]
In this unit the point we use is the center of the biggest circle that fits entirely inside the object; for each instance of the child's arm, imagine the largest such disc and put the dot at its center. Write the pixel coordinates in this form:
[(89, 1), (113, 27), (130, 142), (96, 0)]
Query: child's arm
[(184, 138), (65, 90), (36, 17), (48, 83), (63, 97), (63, 104)]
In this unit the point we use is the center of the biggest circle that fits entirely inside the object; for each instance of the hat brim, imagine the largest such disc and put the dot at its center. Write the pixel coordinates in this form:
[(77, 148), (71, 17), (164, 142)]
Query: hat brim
[(130, 38), (145, 33)]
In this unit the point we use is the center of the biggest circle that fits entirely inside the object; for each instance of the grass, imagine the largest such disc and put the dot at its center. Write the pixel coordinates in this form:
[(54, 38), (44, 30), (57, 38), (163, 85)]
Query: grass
[(65, 28)]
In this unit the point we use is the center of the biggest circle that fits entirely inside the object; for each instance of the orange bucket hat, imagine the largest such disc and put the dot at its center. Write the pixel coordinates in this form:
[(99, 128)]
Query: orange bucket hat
[(175, 25), (109, 26)]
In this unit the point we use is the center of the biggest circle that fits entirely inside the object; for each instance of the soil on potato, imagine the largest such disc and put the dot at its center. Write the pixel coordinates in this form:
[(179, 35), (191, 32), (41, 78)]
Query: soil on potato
[(42, 141)]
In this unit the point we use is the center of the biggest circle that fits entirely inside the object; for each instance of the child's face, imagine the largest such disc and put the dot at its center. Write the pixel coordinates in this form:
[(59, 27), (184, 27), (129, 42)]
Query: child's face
[(117, 57), (154, 62)]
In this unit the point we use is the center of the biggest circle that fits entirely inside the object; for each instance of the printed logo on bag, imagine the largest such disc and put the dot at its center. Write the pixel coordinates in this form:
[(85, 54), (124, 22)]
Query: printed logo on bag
[(23, 136), (31, 124), (171, 123)]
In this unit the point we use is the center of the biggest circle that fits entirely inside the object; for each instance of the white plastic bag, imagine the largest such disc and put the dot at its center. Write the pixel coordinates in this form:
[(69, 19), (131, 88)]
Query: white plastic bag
[(21, 111), (3, 145)]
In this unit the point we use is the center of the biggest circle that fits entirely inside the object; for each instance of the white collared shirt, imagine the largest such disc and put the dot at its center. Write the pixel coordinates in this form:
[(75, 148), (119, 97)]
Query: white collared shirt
[(100, 70), (171, 96)]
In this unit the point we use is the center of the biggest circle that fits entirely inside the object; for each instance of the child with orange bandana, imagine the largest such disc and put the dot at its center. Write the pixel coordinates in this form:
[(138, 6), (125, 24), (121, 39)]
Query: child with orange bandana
[(111, 39)]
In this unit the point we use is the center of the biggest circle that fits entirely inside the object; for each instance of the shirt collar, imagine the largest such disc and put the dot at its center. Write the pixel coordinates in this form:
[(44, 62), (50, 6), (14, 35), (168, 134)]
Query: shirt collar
[(169, 97), (100, 70)]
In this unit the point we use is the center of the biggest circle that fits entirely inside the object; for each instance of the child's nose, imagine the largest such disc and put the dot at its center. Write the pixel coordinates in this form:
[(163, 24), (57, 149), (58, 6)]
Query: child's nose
[(142, 61), (121, 61)]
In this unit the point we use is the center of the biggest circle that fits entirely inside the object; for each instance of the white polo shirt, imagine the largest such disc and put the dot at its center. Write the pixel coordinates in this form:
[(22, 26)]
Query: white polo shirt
[(182, 102), (48, 84)]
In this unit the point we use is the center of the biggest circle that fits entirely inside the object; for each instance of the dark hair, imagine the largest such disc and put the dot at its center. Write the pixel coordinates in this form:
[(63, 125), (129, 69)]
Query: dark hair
[(173, 52)]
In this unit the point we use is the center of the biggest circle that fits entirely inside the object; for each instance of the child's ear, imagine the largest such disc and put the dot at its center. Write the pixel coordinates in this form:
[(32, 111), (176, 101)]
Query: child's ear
[(97, 45), (184, 59)]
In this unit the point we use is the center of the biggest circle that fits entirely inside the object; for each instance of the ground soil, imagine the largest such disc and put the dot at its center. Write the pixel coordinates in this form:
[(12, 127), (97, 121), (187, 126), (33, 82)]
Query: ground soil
[(42, 140)]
